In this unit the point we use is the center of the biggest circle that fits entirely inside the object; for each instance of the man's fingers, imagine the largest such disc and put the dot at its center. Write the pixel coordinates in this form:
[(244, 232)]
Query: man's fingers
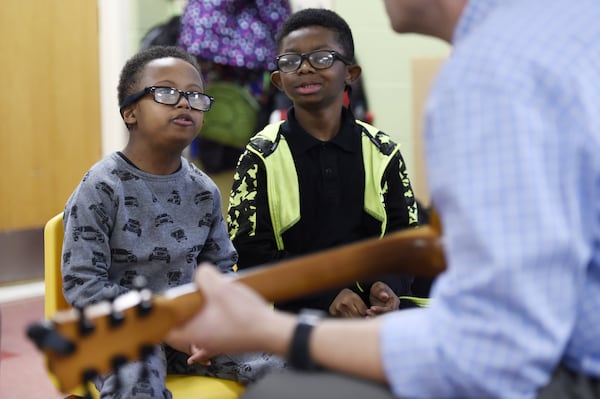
[(207, 277)]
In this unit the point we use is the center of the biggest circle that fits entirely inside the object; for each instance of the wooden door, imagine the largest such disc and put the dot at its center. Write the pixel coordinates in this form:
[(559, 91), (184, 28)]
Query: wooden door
[(50, 105), (49, 119)]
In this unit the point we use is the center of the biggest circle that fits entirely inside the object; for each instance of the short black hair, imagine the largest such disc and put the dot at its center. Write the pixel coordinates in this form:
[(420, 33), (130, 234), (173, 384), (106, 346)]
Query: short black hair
[(132, 71), (319, 17)]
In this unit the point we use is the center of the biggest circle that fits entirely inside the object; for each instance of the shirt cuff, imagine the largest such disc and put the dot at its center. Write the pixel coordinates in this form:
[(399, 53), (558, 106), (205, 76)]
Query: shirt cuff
[(410, 355)]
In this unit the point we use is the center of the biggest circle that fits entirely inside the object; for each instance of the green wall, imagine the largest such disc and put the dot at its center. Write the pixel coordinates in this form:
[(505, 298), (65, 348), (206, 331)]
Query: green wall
[(385, 57)]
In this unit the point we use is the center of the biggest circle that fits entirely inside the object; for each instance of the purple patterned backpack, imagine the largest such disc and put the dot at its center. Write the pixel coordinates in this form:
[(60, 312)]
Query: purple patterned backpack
[(238, 33)]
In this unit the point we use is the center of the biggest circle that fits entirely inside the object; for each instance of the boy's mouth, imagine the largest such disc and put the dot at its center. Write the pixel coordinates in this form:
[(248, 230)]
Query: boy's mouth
[(183, 120), (308, 88)]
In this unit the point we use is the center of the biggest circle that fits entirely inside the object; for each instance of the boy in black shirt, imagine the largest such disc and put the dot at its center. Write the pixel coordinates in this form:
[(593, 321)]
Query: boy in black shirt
[(321, 178)]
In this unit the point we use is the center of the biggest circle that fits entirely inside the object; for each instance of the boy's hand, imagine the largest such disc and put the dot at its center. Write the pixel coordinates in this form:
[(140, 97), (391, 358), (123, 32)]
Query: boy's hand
[(198, 355), (383, 299), (348, 304)]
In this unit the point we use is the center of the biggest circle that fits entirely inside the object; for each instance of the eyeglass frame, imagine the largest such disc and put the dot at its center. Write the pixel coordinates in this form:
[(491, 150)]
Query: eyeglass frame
[(306, 56), (133, 98)]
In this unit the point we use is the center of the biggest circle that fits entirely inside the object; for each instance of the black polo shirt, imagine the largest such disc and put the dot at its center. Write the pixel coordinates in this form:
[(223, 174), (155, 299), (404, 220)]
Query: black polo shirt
[(331, 180)]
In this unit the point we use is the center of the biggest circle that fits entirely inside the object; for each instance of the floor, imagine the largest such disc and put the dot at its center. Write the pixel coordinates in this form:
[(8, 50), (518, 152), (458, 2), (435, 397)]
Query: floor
[(22, 370)]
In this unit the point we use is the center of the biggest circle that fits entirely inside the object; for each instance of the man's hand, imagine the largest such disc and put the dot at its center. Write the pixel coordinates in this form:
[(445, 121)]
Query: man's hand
[(233, 319), (383, 299), (348, 304)]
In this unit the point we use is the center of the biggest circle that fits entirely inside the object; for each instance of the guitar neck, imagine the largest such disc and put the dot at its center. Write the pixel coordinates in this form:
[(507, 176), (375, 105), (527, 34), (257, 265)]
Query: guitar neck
[(413, 252)]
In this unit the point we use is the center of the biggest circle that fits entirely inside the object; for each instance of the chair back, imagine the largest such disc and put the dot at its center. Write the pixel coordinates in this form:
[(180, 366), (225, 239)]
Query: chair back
[(53, 239), (181, 386)]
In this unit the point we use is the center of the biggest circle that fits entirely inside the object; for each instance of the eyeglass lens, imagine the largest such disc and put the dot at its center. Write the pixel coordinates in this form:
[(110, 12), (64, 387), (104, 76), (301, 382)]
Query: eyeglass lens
[(171, 96), (321, 59)]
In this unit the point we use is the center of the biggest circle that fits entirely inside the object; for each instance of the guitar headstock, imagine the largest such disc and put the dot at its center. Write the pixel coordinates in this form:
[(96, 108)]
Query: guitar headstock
[(80, 344)]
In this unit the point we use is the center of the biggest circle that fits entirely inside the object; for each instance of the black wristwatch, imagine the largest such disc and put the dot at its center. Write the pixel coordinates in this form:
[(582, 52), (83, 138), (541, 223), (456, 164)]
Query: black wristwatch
[(299, 355)]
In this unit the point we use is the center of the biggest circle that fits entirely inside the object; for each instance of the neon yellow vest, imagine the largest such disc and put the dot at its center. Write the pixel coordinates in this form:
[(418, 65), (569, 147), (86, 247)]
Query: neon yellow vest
[(282, 179)]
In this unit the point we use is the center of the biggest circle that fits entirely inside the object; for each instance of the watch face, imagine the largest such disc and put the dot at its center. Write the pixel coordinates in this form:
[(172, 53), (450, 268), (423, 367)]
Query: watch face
[(311, 316)]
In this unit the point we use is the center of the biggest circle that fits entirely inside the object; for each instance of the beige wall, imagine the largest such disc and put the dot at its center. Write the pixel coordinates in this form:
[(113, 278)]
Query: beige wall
[(423, 72), (387, 60), (122, 25)]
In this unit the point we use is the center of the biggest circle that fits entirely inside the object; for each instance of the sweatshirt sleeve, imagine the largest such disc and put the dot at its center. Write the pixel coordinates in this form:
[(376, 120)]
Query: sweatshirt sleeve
[(249, 221), (86, 244), (218, 248)]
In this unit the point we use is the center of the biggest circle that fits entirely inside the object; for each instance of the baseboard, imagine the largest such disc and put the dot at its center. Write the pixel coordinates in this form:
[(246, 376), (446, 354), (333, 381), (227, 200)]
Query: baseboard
[(21, 255)]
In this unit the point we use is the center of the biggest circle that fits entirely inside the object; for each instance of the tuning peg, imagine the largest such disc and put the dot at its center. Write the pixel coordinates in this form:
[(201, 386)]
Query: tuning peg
[(89, 375), (145, 352), (46, 337), (118, 362), (88, 378), (144, 308), (116, 318), (86, 327), (145, 305)]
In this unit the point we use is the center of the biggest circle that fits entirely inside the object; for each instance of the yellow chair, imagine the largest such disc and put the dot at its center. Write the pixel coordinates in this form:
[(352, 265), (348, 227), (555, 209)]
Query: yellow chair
[(182, 386)]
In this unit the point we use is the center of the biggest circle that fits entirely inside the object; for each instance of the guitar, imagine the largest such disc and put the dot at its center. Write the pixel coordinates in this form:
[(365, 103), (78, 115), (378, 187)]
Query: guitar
[(79, 344)]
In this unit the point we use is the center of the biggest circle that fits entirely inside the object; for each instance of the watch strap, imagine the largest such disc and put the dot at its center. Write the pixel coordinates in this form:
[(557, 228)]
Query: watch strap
[(299, 354)]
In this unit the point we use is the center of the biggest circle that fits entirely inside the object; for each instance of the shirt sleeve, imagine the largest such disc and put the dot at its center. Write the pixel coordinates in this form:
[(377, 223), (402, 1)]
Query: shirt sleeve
[(401, 210), (248, 220), (86, 246), (400, 203), (218, 248)]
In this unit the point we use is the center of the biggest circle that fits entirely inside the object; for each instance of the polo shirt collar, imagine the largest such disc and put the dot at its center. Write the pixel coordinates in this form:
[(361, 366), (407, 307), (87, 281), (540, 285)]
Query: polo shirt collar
[(348, 138)]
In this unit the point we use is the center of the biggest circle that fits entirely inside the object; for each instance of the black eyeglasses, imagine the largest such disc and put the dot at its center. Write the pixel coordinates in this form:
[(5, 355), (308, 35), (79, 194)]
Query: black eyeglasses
[(171, 96), (319, 59)]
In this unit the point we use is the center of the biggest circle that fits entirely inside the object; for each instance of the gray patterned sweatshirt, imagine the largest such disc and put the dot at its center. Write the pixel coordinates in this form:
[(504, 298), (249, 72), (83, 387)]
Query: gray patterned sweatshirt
[(121, 222)]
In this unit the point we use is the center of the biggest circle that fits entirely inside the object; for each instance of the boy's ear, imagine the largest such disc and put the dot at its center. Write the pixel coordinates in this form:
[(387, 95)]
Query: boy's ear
[(129, 116), (276, 79), (353, 72)]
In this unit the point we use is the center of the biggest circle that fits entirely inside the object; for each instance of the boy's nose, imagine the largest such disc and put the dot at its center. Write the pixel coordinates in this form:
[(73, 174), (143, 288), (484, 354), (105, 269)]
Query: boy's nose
[(186, 102), (305, 64)]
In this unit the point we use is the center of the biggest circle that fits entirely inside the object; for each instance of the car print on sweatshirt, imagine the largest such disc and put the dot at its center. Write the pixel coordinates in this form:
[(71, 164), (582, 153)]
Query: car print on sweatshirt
[(161, 254), (163, 218), (88, 233)]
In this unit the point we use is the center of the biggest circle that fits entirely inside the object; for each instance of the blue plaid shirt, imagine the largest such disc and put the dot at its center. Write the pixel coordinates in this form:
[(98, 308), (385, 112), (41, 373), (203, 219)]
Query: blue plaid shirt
[(513, 151)]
